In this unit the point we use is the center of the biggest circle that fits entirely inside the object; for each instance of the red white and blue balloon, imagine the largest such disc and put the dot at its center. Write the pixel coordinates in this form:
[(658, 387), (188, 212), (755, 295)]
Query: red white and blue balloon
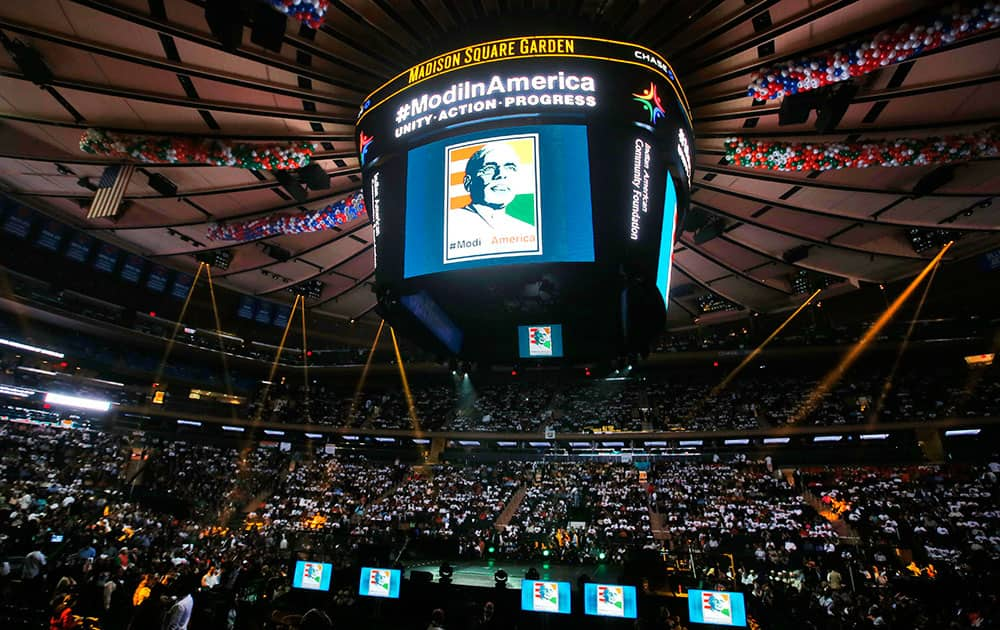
[(309, 12), (333, 215), (868, 55)]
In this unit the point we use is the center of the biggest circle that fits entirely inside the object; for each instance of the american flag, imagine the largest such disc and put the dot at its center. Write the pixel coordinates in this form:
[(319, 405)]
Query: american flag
[(110, 191)]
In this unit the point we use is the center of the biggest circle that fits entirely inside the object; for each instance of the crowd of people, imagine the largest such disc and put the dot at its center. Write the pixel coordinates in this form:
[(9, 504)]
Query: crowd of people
[(131, 530)]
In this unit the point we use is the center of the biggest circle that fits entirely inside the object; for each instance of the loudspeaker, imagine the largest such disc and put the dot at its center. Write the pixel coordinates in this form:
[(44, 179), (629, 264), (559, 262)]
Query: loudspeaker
[(162, 185), (314, 177), (268, 28), (934, 180), (795, 109), (29, 62), (225, 19), (796, 254), (291, 186), (831, 109)]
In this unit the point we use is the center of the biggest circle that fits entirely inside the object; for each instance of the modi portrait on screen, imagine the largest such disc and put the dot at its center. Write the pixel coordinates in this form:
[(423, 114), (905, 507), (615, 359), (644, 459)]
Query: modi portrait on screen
[(492, 201)]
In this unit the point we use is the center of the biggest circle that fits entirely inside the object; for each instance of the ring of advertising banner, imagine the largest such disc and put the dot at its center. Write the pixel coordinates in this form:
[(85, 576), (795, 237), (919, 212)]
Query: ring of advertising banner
[(510, 180)]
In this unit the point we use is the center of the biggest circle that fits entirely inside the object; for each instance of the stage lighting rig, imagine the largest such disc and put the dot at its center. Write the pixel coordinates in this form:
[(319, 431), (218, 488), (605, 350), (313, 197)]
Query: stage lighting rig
[(312, 289), (220, 258), (712, 303)]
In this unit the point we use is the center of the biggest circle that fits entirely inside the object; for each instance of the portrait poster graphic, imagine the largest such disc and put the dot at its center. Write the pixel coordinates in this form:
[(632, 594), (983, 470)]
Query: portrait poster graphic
[(379, 582), (545, 597), (716, 607), (312, 575), (540, 341), (492, 199), (610, 600)]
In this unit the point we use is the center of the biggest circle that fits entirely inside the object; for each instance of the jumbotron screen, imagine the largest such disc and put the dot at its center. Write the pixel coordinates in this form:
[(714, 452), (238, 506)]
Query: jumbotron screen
[(560, 160)]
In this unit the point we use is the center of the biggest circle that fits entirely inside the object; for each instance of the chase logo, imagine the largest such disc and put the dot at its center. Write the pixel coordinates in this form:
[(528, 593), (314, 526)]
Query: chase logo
[(651, 102)]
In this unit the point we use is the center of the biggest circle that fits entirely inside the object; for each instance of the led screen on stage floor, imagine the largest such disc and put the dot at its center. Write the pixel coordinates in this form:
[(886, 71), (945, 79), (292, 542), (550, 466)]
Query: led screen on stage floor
[(609, 600), (313, 576), (544, 596), (717, 607), (379, 583), (508, 196), (541, 341)]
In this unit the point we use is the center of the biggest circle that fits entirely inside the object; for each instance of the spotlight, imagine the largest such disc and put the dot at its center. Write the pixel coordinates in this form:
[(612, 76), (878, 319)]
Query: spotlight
[(445, 572), (602, 556), (500, 579), (545, 553)]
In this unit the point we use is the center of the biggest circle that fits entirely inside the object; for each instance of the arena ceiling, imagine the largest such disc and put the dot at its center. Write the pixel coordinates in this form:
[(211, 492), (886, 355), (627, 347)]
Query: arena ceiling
[(153, 66)]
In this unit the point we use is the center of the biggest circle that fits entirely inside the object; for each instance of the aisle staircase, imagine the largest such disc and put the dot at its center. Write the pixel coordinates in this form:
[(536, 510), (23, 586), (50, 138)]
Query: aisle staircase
[(511, 508), (656, 525), (846, 533)]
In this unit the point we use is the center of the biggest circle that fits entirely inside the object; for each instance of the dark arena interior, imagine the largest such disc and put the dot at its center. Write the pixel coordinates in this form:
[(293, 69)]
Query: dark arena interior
[(499, 314)]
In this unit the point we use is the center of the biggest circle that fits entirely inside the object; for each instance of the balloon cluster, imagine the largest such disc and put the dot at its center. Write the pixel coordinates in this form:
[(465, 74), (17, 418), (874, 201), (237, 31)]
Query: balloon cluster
[(865, 56), (794, 156), (161, 150), (335, 214), (309, 12)]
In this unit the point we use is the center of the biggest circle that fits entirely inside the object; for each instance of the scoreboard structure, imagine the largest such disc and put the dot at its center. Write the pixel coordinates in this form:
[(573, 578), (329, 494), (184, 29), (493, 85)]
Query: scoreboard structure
[(525, 180)]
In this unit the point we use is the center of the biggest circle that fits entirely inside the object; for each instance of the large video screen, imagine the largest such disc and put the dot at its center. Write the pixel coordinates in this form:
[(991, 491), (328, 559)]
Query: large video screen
[(518, 195), (312, 576), (541, 341), (379, 583), (544, 596), (717, 607)]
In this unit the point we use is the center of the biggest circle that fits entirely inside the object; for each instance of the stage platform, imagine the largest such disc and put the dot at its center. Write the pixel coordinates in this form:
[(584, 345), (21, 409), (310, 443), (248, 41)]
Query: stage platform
[(480, 573)]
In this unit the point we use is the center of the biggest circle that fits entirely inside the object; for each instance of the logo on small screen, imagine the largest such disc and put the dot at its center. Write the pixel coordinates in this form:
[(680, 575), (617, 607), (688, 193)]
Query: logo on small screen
[(492, 199), (540, 341), (610, 600), (651, 102), (545, 597), (379, 582), (312, 575), (716, 607)]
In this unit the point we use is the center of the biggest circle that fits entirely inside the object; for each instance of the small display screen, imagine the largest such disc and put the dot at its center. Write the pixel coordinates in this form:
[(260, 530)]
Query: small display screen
[(379, 583), (79, 248), (18, 222), (107, 258), (51, 236), (157, 279), (132, 268), (312, 576), (544, 596), (609, 600), (182, 285), (541, 341), (717, 607), (247, 308)]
